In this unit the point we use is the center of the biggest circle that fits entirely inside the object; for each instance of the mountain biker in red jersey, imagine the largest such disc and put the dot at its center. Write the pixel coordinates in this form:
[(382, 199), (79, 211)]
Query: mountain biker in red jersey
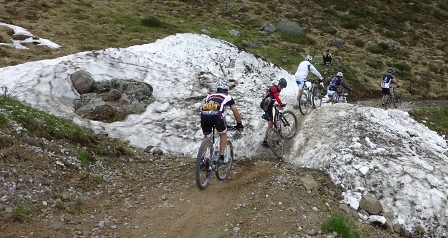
[(267, 104), (212, 114)]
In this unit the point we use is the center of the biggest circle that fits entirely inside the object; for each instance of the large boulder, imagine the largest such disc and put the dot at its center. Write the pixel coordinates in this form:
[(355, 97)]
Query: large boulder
[(82, 81), (290, 28), (114, 100)]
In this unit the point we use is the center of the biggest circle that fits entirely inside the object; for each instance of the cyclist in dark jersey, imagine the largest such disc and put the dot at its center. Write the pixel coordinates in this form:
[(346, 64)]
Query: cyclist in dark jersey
[(212, 114), (385, 85), (267, 104), (334, 85)]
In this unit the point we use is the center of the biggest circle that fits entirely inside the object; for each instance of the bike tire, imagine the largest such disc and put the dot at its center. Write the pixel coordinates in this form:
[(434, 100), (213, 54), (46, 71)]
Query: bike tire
[(288, 124), (335, 98), (223, 170), (316, 98), (387, 104), (203, 171), (397, 100), (275, 142), (303, 103)]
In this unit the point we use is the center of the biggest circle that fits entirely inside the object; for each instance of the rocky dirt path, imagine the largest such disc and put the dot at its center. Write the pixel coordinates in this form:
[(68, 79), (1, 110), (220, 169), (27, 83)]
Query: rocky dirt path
[(156, 196)]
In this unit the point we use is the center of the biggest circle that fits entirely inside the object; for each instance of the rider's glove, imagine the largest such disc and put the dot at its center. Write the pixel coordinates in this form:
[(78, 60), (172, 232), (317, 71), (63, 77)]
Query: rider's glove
[(322, 84), (239, 126), (284, 105), (350, 90)]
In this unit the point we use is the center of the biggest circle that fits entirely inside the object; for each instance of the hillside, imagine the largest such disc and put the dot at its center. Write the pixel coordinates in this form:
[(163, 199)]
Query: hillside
[(60, 180), (365, 37)]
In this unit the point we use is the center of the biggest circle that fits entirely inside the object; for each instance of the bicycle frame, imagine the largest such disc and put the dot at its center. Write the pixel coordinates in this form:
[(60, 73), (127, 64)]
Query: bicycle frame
[(393, 99), (207, 161), (277, 113)]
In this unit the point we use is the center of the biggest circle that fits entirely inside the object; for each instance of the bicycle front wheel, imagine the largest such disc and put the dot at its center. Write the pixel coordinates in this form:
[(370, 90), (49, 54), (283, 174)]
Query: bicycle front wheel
[(275, 141), (203, 169), (303, 103), (397, 100), (223, 170), (288, 124), (316, 98)]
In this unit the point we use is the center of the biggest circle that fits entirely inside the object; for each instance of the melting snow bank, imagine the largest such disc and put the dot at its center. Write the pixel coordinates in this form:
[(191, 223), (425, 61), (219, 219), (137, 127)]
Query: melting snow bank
[(182, 69), (382, 153)]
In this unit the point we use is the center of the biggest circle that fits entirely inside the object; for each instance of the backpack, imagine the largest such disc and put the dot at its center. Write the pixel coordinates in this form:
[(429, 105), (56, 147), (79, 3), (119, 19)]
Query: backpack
[(266, 101)]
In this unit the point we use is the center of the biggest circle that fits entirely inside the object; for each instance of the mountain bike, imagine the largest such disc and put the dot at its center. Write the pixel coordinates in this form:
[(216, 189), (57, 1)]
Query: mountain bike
[(207, 160), (285, 127), (394, 98), (310, 96), (339, 96)]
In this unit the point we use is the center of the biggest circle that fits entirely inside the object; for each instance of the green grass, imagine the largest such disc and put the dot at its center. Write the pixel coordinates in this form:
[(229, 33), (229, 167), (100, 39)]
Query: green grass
[(79, 201), (3, 121), (433, 116), (21, 211), (60, 205), (38, 123), (340, 224), (83, 157)]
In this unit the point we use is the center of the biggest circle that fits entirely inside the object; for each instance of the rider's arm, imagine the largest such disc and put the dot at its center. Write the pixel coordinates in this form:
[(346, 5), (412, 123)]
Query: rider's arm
[(345, 86), (315, 72), (277, 98), (236, 114), (395, 80)]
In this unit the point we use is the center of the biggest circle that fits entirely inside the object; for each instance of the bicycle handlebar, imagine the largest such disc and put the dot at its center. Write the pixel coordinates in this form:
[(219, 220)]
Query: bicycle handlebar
[(395, 86), (278, 106), (316, 81), (234, 128)]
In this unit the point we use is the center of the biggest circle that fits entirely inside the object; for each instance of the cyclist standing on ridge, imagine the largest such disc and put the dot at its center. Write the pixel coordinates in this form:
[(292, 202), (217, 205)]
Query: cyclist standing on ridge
[(267, 105), (212, 114), (334, 85), (385, 85), (304, 68)]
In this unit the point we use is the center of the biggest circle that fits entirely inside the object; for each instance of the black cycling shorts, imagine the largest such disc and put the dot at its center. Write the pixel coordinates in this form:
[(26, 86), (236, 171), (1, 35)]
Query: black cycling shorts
[(209, 119), (386, 91)]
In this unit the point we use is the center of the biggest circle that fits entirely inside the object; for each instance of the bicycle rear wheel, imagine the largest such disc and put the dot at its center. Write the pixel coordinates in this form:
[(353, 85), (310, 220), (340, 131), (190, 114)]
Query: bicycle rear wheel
[(289, 124), (203, 169), (223, 170), (316, 98), (335, 98), (303, 103), (275, 141), (397, 100), (387, 102)]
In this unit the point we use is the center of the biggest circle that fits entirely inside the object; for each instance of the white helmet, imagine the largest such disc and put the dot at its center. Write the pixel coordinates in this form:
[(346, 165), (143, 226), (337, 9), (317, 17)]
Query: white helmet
[(339, 74), (309, 58), (222, 85)]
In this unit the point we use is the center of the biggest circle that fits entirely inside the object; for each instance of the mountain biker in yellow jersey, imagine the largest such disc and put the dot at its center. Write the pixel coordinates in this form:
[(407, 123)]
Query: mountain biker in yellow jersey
[(385, 85), (267, 104), (304, 68), (212, 114), (334, 85)]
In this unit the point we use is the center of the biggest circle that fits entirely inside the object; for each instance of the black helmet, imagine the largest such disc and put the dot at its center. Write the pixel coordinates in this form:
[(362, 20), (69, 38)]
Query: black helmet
[(282, 82), (390, 71)]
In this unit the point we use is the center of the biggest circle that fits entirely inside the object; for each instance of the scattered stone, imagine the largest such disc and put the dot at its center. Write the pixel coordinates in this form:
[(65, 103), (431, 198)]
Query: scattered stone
[(370, 205)]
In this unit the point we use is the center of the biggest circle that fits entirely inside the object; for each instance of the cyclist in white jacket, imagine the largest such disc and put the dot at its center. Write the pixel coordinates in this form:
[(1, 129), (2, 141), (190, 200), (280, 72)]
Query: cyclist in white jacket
[(305, 67)]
